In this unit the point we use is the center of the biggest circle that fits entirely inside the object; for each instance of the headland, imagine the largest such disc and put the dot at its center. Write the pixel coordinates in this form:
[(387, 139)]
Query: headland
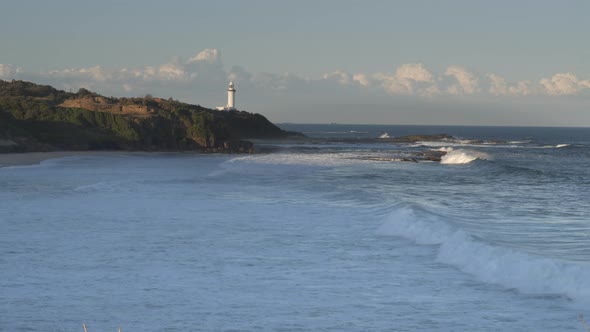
[(40, 118)]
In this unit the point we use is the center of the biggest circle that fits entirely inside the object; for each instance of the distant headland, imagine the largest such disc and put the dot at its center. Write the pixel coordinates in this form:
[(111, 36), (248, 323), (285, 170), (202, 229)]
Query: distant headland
[(37, 117)]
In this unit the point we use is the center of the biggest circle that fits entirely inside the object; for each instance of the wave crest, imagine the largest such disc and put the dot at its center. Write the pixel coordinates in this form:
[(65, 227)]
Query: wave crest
[(461, 156), (508, 267)]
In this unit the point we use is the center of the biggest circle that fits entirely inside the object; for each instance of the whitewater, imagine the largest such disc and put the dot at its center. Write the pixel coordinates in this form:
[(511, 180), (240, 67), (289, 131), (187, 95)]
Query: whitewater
[(345, 231)]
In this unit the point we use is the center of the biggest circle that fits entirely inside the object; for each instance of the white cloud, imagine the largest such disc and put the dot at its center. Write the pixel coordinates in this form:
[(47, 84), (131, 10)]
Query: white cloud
[(409, 79), (130, 73), (172, 71), (206, 65), (520, 89), (413, 72), (395, 85), (239, 74), (206, 75), (149, 72), (9, 71), (96, 73), (361, 79), (431, 91), (562, 84), (340, 77), (499, 87), (284, 81), (466, 82), (210, 55)]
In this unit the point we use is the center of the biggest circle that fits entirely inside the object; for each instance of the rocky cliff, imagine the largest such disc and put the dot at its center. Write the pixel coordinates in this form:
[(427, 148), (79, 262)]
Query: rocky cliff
[(40, 118)]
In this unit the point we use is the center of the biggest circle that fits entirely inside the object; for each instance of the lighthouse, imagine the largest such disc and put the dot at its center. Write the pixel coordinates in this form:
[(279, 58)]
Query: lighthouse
[(231, 99), (231, 96)]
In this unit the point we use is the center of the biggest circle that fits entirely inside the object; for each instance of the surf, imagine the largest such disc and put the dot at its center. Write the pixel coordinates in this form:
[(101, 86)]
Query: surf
[(490, 263), (461, 156)]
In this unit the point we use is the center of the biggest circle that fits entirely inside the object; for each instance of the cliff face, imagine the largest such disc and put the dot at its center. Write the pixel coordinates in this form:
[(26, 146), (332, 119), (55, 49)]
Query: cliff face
[(40, 118)]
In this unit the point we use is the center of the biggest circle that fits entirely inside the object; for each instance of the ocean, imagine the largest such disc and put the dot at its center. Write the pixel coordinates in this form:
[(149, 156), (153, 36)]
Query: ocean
[(341, 232)]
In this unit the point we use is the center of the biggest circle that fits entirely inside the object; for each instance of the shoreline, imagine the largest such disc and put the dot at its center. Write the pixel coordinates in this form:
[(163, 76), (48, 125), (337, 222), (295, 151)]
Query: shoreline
[(35, 158)]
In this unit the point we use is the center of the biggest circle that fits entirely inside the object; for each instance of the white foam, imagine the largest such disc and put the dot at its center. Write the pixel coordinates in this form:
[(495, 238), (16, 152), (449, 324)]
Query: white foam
[(384, 135), (519, 142), (461, 156), (303, 159), (444, 149), (558, 146), (472, 144), (279, 163), (447, 142), (41, 164), (505, 266), (432, 144)]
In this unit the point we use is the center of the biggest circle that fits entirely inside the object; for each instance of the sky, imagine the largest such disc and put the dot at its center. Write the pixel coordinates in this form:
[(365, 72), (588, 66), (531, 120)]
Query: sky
[(450, 62)]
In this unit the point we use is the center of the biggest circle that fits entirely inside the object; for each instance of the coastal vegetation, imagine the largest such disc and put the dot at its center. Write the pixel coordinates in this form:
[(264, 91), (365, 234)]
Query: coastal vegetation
[(41, 118)]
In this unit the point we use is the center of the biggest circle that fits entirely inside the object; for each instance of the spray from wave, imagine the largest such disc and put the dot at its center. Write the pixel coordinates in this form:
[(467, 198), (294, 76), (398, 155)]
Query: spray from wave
[(461, 156), (384, 135), (489, 263)]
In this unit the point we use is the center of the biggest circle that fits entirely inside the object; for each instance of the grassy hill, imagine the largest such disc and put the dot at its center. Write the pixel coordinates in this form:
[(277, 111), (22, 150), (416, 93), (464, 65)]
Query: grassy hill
[(41, 118)]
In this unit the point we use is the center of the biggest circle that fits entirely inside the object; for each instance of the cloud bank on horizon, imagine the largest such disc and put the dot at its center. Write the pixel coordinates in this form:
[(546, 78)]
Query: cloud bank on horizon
[(411, 79), (409, 94)]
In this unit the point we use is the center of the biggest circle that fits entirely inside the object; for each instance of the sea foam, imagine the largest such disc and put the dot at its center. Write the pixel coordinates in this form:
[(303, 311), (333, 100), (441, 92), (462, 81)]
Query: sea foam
[(461, 156), (509, 267)]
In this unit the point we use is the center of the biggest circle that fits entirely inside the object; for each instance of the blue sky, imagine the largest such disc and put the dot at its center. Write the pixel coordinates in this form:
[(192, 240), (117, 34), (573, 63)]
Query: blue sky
[(414, 62)]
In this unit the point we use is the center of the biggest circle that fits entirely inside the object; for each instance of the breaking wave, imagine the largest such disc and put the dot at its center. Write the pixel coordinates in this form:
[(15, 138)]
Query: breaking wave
[(279, 163), (384, 135), (461, 156), (558, 146), (520, 142), (297, 159), (511, 268)]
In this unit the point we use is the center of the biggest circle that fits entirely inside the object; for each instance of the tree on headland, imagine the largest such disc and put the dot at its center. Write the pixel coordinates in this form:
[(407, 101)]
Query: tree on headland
[(147, 99), (83, 92)]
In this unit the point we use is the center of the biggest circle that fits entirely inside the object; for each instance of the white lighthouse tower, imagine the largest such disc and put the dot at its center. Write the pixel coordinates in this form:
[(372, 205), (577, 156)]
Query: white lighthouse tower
[(231, 99), (231, 96)]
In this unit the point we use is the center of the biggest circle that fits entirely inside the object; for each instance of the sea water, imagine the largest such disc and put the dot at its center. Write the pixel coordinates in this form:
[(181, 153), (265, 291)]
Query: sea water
[(334, 233)]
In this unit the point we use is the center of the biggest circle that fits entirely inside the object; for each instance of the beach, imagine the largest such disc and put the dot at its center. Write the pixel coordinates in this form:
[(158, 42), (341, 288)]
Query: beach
[(32, 158)]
